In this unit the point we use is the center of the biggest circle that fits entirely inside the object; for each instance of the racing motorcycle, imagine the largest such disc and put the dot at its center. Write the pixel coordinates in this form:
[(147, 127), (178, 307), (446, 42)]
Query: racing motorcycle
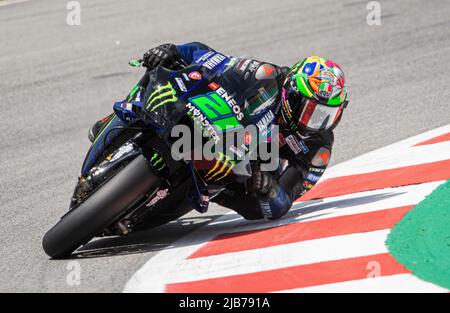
[(131, 180)]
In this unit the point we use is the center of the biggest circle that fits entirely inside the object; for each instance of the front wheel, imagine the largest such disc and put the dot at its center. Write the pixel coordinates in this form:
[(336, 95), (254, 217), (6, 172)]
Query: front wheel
[(100, 210)]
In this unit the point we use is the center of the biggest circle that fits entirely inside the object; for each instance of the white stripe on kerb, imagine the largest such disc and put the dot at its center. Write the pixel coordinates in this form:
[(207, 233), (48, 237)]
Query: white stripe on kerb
[(384, 284), (300, 253)]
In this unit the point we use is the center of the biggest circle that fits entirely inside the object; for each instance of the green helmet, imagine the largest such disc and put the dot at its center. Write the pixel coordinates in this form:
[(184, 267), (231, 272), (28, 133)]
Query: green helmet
[(313, 95)]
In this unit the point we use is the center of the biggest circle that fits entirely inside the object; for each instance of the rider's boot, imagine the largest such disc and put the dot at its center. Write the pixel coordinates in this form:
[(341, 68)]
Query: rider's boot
[(94, 130)]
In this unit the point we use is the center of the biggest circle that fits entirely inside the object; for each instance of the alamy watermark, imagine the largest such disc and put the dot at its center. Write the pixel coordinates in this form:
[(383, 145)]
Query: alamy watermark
[(73, 277), (374, 268), (249, 143), (374, 14), (73, 13)]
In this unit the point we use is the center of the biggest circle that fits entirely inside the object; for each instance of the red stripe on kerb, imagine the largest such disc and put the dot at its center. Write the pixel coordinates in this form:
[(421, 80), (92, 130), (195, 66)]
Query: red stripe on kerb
[(402, 176), (297, 276), (336, 226), (441, 138)]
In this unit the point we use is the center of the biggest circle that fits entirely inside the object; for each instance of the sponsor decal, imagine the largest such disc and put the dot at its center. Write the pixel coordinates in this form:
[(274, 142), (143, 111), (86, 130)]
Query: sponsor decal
[(195, 75), (253, 66), (231, 102), (157, 161), (213, 86), (325, 90), (265, 207), (264, 95), (160, 194), (307, 185), (328, 76), (214, 61), (244, 65), (181, 84), (120, 152), (223, 166), (312, 177), (186, 77), (293, 144), (162, 95), (127, 106), (218, 108), (241, 66), (303, 146), (248, 138), (202, 122), (316, 170), (265, 121), (250, 68)]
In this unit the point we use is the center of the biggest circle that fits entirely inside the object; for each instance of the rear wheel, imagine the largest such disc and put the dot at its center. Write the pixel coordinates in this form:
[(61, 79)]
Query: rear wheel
[(100, 209)]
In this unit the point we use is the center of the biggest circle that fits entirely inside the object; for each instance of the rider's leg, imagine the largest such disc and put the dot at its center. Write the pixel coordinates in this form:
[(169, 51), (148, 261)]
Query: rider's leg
[(245, 205)]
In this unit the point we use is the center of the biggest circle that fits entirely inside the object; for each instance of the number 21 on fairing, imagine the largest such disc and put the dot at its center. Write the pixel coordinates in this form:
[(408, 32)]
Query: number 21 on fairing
[(217, 111)]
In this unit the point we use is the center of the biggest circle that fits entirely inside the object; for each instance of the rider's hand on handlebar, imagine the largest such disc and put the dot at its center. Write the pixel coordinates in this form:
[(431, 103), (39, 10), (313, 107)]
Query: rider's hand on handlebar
[(165, 55)]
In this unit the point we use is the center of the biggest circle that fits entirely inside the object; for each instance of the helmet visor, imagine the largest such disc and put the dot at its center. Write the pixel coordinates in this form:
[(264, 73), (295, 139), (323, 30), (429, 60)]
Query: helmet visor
[(315, 116)]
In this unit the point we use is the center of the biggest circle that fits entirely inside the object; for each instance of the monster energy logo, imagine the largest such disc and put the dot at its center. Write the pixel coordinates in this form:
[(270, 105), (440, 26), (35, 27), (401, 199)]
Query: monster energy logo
[(223, 166), (293, 126), (157, 161), (162, 95)]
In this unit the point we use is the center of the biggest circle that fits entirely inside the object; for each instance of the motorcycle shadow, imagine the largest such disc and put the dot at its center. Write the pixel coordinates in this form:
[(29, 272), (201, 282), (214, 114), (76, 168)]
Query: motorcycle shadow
[(163, 237), (151, 240)]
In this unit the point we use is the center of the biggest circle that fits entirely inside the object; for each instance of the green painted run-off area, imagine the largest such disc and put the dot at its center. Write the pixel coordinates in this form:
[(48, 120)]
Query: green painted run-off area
[(421, 240)]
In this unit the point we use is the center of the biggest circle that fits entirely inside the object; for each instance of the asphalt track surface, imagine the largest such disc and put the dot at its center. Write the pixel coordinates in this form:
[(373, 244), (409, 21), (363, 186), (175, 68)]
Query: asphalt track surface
[(55, 80)]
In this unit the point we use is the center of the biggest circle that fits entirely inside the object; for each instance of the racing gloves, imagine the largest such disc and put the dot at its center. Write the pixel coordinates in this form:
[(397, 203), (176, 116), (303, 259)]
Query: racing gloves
[(260, 182), (165, 55), (273, 200)]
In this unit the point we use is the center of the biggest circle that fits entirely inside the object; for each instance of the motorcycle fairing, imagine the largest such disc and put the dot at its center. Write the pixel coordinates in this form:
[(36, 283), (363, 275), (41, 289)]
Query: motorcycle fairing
[(166, 101)]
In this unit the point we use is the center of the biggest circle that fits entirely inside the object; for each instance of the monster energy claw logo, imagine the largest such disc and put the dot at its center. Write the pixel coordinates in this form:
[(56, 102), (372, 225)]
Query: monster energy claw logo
[(162, 95), (157, 161), (222, 163)]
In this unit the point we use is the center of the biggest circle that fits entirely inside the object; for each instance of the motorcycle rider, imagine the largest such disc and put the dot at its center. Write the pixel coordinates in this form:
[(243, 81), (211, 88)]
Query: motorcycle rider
[(312, 96)]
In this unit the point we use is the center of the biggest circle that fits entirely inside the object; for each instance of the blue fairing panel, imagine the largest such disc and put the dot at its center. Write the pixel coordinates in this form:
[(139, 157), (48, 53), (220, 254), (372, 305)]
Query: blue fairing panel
[(111, 130), (193, 50)]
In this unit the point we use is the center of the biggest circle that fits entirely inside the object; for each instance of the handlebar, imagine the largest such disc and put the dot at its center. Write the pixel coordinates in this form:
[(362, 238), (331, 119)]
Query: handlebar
[(140, 63), (136, 63)]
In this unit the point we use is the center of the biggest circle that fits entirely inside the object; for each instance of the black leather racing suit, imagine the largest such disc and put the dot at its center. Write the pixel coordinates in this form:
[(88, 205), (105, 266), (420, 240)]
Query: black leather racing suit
[(307, 156)]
